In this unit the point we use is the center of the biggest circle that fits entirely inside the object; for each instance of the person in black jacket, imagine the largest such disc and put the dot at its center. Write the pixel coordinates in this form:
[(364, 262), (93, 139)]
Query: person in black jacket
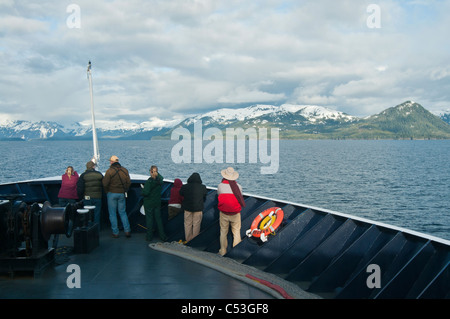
[(90, 189), (194, 193)]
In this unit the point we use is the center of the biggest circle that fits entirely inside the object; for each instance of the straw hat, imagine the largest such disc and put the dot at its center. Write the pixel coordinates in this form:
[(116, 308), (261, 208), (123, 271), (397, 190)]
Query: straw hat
[(230, 174)]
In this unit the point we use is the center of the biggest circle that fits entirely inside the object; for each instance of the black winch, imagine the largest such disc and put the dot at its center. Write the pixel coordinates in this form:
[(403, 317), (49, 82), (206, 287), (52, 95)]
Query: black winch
[(25, 231)]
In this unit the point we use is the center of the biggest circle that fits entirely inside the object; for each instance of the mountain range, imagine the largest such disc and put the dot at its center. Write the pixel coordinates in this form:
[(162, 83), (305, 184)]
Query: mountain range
[(408, 120)]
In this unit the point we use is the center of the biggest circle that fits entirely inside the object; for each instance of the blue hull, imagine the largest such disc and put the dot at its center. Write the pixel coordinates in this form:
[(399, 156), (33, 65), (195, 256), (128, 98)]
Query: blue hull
[(326, 253)]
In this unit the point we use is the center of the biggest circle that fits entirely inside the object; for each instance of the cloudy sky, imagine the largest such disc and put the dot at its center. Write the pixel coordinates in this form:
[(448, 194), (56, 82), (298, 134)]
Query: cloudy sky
[(167, 59)]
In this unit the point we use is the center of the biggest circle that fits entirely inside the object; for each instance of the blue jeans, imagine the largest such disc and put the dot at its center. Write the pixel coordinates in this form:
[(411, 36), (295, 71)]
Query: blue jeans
[(116, 202)]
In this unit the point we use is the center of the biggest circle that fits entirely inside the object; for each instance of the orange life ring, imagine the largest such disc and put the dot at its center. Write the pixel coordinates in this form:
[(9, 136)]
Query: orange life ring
[(266, 223)]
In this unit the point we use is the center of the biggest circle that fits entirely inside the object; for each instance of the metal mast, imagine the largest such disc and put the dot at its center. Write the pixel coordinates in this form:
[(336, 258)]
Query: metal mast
[(96, 157)]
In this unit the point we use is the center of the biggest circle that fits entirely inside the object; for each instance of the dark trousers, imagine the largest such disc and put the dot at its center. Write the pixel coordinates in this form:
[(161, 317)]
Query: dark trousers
[(153, 216)]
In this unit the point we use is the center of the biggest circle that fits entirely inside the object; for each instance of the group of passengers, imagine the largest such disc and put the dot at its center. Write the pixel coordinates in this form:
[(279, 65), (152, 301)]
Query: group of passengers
[(190, 198)]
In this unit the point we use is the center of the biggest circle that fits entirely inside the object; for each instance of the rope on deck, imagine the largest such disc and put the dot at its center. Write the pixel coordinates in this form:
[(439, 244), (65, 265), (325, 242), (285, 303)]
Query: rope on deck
[(269, 283)]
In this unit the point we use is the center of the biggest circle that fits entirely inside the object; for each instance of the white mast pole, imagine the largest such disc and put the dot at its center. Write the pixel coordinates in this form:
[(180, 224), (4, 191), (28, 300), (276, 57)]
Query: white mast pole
[(96, 157)]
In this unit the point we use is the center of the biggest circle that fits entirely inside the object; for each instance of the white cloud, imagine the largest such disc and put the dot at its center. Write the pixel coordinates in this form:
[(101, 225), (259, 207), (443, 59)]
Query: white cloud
[(241, 95), (173, 58), (14, 25)]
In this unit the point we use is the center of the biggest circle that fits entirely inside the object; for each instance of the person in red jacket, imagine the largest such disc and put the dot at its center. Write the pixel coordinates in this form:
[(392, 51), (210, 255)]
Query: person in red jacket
[(175, 198), (68, 191), (230, 203)]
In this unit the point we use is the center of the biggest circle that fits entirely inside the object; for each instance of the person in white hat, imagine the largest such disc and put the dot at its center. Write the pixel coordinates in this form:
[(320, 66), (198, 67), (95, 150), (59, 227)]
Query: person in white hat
[(230, 203)]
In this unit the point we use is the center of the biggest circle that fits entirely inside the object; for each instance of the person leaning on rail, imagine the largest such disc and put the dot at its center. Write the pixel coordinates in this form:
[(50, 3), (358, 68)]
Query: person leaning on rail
[(194, 194), (116, 184), (152, 204), (90, 189), (230, 203)]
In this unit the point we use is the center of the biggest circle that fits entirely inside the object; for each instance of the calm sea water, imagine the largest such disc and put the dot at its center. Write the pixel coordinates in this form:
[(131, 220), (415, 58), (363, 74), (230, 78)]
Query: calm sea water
[(402, 183)]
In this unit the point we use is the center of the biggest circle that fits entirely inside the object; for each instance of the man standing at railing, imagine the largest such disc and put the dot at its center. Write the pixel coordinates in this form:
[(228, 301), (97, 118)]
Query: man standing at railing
[(152, 204), (90, 189), (116, 184)]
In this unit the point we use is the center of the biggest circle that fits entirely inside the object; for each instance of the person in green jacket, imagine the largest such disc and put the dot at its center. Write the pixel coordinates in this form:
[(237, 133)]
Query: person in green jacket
[(152, 204)]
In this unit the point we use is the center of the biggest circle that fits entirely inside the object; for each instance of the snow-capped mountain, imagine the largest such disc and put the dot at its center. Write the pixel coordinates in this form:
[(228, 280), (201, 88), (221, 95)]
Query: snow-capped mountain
[(310, 113), (25, 130), (445, 116), (408, 120), (294, 121)]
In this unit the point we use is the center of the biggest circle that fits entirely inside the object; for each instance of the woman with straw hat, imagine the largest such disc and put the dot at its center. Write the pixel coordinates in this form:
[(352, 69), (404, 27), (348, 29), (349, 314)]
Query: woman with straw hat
[(230, 203)]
